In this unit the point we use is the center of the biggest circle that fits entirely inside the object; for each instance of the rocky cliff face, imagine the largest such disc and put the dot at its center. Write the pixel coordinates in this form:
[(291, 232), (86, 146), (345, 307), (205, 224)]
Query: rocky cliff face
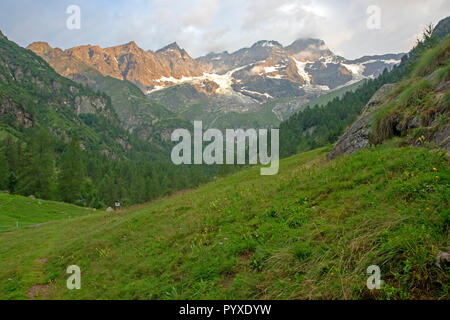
[(442, 29), (358, 135), (60, 95), (129, 62), (178, 62), (10, 108), (63, 63)]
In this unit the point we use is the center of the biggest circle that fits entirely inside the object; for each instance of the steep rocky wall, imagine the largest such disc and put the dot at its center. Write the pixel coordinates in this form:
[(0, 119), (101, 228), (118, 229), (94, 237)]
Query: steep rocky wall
[(357, 136)]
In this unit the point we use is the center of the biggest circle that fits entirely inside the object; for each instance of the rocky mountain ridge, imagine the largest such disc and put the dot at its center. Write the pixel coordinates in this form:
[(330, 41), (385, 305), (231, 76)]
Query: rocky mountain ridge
[(247, 81), (257, 72), (126, 62)]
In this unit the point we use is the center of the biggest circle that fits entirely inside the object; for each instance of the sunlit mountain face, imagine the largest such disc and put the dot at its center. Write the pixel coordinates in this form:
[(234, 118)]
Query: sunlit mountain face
[(241, 81)]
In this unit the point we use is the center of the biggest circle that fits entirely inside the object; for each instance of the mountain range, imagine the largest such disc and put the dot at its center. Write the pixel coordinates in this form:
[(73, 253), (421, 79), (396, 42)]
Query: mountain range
[(256, 86)]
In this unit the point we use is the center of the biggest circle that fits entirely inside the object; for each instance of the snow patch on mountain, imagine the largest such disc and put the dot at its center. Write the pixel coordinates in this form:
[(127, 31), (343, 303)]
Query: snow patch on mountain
[(155, 88), (224, 81), (301, 70), (392, 62), (258, 93), (357, 70), (315, 88), (278, 76)]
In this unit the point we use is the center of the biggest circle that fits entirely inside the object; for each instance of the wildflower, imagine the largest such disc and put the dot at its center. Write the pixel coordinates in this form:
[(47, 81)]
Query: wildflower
[(437, 177), (435, 169)]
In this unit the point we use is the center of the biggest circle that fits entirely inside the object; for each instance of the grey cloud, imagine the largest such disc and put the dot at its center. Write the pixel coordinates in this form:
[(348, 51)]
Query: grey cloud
[(202, 15)]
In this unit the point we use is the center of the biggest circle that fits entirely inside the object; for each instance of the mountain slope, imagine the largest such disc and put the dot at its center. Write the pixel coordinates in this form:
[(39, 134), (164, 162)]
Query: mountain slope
[(45, 116), (34, 95), (417, 108), (312, 128), (136, 112), (308, 233), (267, 71)]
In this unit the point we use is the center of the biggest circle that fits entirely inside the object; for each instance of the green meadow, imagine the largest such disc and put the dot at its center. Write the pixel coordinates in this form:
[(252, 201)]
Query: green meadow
[(309, 232)]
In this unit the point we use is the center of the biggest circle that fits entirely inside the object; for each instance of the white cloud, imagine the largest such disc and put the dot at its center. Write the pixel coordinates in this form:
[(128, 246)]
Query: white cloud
[(201, 26)]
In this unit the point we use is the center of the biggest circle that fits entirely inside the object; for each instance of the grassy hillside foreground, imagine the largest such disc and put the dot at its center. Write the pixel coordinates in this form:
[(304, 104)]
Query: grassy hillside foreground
[(310, 232), (21, 212)]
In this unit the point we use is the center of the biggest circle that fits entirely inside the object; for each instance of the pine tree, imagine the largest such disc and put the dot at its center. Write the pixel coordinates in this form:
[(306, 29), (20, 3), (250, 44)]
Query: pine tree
[(11, 150), (4, 171), (38, 166), (71, 177), (12, 182)]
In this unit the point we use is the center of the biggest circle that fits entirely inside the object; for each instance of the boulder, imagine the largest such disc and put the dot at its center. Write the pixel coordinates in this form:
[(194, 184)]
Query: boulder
[(357, 136), (109, 209), (443, 86), (442, 137), (443, 258)]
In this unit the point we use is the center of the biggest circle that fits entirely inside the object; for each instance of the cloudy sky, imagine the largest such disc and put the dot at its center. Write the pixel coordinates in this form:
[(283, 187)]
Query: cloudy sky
[(202, 26)]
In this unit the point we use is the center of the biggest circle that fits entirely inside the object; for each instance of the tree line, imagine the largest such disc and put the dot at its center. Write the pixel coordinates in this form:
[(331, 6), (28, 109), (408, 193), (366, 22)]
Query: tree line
[(40, 165)]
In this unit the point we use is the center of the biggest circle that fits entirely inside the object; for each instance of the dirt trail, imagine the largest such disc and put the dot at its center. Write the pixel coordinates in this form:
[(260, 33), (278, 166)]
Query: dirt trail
[(39, 291)]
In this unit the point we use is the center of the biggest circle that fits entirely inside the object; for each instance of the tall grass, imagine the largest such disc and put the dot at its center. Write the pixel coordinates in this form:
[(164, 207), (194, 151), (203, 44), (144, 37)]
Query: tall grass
[(310, 232)]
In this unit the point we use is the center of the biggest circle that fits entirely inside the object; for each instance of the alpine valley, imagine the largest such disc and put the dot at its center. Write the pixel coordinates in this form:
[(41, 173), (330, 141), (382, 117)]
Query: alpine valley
[(363, 179)]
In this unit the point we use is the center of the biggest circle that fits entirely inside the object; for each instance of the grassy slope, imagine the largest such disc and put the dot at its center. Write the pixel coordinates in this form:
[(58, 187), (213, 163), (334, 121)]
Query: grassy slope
[(322, 100), (193, 105), (338, 93), (417, 97), (309, 232), (127, 97), (22, 211)]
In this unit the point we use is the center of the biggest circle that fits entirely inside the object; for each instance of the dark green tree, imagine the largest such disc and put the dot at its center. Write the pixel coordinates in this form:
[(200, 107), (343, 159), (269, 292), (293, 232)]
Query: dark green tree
[(12, 152), (71, 176), (38, 167), (12, 182), (4, 171)]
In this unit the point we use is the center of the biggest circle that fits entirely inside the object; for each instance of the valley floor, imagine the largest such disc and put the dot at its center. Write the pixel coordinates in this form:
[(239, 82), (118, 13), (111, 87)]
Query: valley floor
[(310, 232)]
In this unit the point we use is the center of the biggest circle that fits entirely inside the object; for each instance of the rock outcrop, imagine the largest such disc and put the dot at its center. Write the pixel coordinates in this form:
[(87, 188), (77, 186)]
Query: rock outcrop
[(7, 107), (357, 136), (417, 111), (442, 138)]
